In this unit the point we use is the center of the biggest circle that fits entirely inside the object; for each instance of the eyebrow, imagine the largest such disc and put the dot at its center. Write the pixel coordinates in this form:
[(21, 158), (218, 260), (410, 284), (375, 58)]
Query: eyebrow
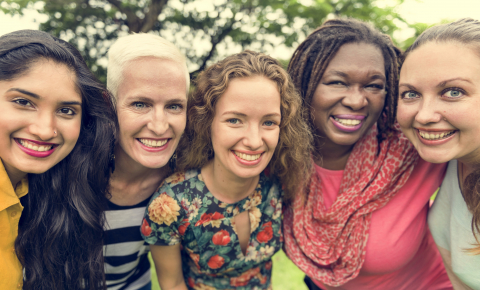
[(35, 96), (440, 84), (443, 83), (244, 115), (376, 76), (146, 99)]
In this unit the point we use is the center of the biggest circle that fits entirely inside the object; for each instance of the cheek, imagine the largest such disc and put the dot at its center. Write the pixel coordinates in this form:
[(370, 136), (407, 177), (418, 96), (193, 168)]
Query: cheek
[(71, 133)]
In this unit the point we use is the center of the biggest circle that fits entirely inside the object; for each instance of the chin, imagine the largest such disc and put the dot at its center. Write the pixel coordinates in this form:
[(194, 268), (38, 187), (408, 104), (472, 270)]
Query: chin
[(434, 156)]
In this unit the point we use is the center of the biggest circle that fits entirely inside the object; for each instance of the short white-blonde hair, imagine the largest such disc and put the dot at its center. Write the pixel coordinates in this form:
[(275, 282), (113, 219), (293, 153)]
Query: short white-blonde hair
[(134, 46)]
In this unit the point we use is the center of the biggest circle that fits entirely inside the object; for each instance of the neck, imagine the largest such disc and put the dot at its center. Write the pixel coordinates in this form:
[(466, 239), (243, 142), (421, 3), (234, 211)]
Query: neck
[(225, 185), (331, 156), (13, 174), (128, 171)]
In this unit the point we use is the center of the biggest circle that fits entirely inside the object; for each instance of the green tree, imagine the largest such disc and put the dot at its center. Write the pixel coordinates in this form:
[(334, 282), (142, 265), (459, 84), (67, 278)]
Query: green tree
[(204, 30)]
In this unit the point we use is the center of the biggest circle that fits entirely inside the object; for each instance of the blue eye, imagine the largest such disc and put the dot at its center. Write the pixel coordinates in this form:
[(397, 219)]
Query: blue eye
[(233, 121), (269, 123), (409, 95), (139, 105), (453, 93), (175, 107)]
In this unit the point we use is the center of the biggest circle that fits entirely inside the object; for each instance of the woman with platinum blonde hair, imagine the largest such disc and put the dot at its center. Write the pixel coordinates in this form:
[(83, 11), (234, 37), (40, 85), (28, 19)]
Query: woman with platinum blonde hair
[(217, 222), (438, 102), (149, 81)]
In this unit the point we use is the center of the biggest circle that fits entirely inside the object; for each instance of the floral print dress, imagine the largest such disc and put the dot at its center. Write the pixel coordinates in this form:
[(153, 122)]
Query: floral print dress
[(184, 211)]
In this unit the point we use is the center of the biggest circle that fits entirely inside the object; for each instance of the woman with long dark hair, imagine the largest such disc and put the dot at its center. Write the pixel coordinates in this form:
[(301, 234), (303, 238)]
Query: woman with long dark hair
[(362, 222), (57, 125), (438, 102)]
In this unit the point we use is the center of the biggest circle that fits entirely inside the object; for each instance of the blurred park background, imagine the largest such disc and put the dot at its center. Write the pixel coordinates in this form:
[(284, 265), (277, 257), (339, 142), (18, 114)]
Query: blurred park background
[(209, 30)]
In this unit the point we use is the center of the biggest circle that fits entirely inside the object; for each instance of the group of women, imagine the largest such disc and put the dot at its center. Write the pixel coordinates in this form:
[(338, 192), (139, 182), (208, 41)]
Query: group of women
[(334, 160)]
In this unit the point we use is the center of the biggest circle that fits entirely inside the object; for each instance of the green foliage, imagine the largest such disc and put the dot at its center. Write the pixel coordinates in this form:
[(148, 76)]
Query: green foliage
[(205, 31), (419, 29), (285, 276)]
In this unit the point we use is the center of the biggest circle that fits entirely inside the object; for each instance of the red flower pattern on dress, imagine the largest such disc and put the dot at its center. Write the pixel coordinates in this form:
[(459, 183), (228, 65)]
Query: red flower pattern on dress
[(146, 229), (207, 218), (221, 238), (216, 262), (266, 233), (183, 226), (245, 278)]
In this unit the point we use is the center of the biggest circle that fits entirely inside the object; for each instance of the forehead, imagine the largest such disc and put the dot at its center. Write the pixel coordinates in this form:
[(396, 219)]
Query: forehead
[(438, 61), (255, 94), (147, 75), (358, 56)]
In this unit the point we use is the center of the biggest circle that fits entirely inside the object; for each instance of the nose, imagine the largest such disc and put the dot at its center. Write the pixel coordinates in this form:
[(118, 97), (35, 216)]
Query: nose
[(44, 126), (355, 98), (253, 138), (158, 123), (428, 111)]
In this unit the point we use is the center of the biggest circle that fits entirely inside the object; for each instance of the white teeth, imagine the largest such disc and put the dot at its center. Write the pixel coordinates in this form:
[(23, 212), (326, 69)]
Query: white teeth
[(348, 122), (247, 156), (34, 146), (433, 136), (153, 143)]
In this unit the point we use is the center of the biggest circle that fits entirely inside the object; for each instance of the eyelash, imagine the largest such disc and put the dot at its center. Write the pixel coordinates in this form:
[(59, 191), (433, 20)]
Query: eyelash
[(27, 103), (462, 92), (404, 94), (177, 109)]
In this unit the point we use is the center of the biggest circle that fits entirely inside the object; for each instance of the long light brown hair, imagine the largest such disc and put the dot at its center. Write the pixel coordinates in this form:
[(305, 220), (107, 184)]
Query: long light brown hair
[(465, 31), (291, 159)]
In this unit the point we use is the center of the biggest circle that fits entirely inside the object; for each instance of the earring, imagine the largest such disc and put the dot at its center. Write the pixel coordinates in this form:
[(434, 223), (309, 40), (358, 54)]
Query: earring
[(55, 132)]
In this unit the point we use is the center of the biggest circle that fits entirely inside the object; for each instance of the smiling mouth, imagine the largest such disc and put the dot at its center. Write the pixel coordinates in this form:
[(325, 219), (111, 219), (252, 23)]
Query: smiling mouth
[(35, 146), (347, 122), (247, 157), (435, 136), (153, 143)]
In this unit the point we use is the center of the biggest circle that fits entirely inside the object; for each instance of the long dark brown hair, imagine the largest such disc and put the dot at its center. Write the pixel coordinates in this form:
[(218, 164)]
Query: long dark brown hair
[(291, 159), (465, 31), (60, 231)]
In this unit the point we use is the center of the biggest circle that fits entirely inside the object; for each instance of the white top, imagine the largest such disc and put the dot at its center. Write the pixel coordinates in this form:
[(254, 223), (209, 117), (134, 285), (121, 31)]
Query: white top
[(450, 224)]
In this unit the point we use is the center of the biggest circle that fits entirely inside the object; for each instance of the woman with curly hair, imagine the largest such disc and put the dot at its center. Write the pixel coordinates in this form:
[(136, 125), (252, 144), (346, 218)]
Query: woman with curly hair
[(362, 222), (439, 97), (56, 130), (246, 149)]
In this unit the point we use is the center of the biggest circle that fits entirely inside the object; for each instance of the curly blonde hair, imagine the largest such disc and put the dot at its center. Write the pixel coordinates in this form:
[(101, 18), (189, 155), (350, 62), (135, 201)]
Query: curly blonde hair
[(291, 159)]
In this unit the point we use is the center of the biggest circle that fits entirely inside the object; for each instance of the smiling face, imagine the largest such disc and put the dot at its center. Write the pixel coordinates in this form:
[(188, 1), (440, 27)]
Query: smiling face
[(245, 129), (40, 118), (350, 95), (151, 108), (439, 97)]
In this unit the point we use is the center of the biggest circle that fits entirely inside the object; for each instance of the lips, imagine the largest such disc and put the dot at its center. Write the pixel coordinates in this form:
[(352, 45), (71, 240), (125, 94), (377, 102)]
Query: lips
[(437, 137), (36, 148), (153, 145), (248, 159), (348, 123)]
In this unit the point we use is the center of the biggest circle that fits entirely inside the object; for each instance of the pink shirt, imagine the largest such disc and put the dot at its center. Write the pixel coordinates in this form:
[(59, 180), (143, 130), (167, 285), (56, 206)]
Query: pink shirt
[(400, 251)]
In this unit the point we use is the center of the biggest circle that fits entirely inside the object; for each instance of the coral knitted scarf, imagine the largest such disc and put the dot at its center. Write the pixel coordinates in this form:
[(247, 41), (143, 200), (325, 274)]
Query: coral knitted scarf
[(329, 245)]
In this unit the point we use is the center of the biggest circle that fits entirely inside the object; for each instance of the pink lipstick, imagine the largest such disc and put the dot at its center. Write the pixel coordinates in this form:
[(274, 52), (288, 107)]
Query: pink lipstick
[(35, 153)]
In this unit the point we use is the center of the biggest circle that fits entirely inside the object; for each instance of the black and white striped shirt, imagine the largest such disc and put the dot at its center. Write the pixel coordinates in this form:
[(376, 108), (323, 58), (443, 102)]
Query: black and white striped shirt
[(126, 254)]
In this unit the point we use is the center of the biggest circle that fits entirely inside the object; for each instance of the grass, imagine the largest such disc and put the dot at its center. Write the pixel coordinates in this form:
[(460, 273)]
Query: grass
[(286, 276)]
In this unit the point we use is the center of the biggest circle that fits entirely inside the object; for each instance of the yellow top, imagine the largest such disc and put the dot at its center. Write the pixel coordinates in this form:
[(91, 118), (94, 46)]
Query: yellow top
[(11, 273)]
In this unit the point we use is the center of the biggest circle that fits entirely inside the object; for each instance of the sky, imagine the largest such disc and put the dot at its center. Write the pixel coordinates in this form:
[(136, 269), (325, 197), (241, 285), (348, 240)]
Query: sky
[(426, 11)]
